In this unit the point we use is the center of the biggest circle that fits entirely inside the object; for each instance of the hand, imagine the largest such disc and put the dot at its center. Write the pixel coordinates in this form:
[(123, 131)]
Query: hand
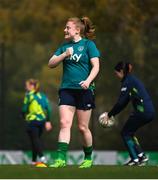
[(69, 51), (48, 126), (84, 84), (105, 121)]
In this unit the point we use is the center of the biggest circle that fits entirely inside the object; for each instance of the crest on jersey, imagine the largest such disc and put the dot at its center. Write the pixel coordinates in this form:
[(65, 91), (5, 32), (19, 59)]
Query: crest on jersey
[(80, 48)]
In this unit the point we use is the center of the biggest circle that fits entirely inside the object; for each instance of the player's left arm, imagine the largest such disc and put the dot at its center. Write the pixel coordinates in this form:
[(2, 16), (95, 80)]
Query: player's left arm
[(48, 124), (94, 71)]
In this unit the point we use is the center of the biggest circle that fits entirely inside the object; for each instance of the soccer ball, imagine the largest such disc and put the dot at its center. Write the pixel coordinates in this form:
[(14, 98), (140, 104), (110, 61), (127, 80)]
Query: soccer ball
[(105, 121)]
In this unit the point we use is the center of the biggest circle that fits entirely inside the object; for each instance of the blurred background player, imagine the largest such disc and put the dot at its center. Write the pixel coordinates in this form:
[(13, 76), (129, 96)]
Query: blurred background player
[(80, 59), (37, 113), (133, 90)]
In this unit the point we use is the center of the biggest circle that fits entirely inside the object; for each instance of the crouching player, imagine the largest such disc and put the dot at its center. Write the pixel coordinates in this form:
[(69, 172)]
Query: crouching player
[(132, 89)]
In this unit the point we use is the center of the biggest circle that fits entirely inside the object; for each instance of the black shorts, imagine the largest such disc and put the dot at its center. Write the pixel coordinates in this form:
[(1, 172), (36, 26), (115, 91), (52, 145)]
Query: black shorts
[(79, 98)]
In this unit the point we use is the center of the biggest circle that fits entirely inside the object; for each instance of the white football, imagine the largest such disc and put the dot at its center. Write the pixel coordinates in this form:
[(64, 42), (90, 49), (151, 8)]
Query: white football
[(105, 121)]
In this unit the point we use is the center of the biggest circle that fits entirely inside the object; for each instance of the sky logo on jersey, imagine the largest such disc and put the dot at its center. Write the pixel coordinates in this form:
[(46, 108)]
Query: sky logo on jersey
[(75, 57)]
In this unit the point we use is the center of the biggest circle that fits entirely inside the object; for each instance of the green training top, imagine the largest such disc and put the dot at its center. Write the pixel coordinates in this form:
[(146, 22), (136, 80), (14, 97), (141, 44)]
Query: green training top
[(36, 106), (77, 67)]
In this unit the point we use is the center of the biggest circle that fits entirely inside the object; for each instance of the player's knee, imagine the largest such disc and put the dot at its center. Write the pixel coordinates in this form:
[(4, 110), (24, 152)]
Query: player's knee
[(126, 134), (64, 123), (82, 128)]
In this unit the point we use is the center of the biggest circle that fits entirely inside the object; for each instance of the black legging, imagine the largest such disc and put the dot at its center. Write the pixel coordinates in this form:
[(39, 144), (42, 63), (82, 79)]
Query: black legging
[(35, 130), (135, 121)]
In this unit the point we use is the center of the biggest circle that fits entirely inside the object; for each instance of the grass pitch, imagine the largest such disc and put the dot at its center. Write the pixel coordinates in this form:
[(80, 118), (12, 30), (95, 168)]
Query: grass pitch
[(73, 172)]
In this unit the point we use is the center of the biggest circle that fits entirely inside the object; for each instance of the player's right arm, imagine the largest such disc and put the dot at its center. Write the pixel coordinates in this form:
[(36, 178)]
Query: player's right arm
[(25, 105), (55, 60)]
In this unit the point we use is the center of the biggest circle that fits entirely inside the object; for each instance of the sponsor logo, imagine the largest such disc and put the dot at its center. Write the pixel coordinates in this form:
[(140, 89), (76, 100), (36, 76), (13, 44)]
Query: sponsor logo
[(89, 105), (75, 57), (123, 89)]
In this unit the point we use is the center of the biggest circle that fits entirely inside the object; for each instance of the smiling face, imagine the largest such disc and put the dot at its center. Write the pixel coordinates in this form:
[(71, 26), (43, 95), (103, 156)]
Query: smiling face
[(71, 31)]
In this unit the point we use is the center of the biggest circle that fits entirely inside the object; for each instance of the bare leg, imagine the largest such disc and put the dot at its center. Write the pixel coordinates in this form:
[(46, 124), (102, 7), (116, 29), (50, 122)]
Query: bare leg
[(66, 119), (83, 117)]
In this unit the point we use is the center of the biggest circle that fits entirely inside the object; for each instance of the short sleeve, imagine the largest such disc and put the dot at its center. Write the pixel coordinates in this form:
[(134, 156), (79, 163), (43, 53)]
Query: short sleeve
[(58, 51), (26, 98), (92, 50)]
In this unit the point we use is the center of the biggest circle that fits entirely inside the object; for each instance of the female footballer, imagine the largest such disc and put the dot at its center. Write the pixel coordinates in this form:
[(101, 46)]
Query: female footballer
[(37, 113), (80, 58), (132, 89)]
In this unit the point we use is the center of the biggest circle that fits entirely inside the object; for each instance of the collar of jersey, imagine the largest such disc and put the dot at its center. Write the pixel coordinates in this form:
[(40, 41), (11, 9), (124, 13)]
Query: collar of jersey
[(76, 41), (32, 92)]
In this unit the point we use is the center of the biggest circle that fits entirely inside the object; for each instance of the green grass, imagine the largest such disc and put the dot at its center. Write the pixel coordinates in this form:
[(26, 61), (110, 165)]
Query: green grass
[(73, 172)]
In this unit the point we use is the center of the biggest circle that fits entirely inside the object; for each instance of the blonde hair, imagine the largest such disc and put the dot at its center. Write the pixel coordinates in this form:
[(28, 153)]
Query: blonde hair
[(85, 25), (35, 83)]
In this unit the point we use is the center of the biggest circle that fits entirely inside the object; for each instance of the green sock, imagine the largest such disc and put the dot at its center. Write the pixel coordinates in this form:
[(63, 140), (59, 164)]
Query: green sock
[(88, 152), (62, 150)]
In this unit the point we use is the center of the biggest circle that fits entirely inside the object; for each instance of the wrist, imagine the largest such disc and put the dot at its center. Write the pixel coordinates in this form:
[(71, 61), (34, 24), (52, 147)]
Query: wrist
[(109, 115), (88, 81), (64, 55)]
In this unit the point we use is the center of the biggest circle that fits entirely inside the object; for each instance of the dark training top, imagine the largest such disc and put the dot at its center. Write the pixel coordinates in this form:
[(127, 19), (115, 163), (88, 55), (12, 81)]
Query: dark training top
[(132, 89)]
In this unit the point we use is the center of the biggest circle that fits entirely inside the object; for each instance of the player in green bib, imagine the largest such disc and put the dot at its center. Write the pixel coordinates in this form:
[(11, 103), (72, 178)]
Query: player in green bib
[(80, 58), (36, 111)]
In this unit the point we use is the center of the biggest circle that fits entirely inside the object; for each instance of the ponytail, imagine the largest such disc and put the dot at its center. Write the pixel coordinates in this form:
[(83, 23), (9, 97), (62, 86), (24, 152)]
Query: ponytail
[(125, 66), (130, 67), (89, 31)]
